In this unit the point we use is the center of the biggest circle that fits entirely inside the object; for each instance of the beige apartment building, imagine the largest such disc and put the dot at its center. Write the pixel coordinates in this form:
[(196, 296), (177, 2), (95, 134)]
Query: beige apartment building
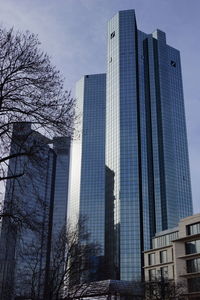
[(175, 255)]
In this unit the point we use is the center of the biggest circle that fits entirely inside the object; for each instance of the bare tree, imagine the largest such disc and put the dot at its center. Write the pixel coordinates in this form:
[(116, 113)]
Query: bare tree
[(30, 273), (67, 264), (70, 262), (31, 90), (20, 251), (107, 289), (25, 211), (164, 289), (26, 172)]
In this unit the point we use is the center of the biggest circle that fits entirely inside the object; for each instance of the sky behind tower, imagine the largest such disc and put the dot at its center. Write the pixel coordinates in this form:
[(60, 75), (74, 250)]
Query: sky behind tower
[(73, 32)]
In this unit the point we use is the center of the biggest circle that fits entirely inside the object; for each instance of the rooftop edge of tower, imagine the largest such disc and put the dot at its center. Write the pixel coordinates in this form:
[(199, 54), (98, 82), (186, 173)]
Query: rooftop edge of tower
[(159, 34), (124, 12)]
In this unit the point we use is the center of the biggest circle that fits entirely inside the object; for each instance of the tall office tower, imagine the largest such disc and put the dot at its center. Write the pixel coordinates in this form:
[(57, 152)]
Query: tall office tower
[(35, 207), (87, 167), (27, 199), (57, 219), (61, 148), (146, 143)]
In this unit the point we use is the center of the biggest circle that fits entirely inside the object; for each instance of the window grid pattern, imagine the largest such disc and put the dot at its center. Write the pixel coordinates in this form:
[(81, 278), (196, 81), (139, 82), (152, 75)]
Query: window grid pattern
[(164, 240), (153, 150), (141, 133), (122, 141), (87, 181), (181, 162)]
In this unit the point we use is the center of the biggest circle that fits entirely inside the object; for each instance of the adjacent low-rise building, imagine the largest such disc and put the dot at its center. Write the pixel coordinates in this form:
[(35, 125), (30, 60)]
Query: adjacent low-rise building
[(175, 255)]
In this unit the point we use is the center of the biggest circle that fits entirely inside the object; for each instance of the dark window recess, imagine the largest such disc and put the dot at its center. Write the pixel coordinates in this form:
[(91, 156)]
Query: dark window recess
[(112, 35), (87, 76), (151, 259), (152, 274), (193, 265), (164, 272), (193, 229), (173, 63), (192, 247), (194, 285), (163, 256), (110, 59)]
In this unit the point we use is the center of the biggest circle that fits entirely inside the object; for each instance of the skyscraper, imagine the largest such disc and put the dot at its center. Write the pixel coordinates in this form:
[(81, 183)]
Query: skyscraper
[(27, 199), (87, 170), (61, 148), (146, 142), (145, 170), (34, 210)]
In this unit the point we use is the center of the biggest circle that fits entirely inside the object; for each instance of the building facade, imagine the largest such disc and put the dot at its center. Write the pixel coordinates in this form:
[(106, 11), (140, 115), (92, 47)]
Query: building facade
[(87, 170), (35, 208), (175, 255), (146, 142), (61, 148)]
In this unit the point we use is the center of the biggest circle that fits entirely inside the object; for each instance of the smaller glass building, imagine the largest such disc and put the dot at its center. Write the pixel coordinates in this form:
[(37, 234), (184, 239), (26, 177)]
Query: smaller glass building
[(38, 202), (87, 167)]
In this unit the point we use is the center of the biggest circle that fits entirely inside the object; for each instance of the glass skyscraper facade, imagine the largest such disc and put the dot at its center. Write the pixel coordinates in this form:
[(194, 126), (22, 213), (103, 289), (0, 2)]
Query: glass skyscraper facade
[(87, 167), (146, 142), (61, 147), (26, 198), (37, 205)]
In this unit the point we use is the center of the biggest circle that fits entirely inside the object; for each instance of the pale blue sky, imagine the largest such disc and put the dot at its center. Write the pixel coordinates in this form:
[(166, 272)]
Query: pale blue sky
[(73, 32)]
